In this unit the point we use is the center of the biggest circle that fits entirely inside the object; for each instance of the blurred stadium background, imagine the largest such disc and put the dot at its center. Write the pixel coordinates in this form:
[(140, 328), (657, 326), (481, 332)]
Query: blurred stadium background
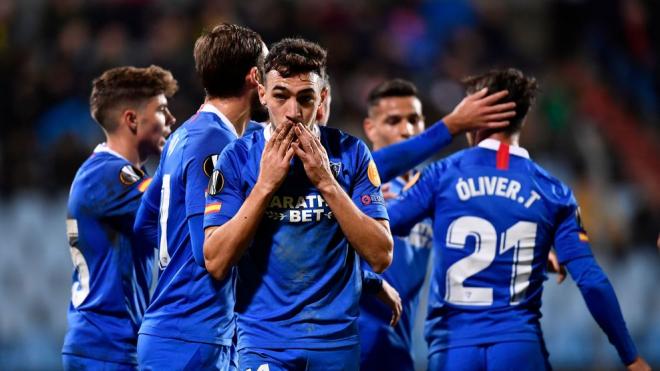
[(596, 126)]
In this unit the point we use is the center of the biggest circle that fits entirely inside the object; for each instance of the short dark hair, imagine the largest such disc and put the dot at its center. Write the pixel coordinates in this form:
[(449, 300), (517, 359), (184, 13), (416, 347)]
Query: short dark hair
[(291, 57), (391, 88), (224, 56), (522, 90), (129, 84)]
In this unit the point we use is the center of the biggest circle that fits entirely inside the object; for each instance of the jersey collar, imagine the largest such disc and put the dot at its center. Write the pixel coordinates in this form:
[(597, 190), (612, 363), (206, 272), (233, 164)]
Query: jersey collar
[(269, 129), (494, 144), (207, 107), (103, 147)]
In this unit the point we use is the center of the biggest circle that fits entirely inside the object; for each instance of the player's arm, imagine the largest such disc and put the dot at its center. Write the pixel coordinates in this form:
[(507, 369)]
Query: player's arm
[(571, 244), (146, 219), (229, 234), (198, 156), (369, 236), (373, 284), (416, 203), (475, 111)]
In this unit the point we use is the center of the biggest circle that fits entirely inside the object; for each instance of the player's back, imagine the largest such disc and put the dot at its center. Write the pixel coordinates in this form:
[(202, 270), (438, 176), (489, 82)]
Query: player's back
[(112, 273), (188, 304), (495, 218)]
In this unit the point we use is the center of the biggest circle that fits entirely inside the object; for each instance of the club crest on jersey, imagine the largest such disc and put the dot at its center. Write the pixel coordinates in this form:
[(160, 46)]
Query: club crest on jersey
[(209, 164), (216, 182), (335, 167), (129, 174), (372, 173)]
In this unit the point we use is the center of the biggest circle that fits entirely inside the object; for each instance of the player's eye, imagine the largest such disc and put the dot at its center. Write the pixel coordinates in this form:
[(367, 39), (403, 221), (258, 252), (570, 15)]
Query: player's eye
[(414, 119), (279, 96), (392, 120), (306, 99)]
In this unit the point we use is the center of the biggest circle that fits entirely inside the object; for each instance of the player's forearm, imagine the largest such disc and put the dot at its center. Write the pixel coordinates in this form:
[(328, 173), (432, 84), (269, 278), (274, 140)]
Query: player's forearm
[(603, 305), (146, 224), (371, 239), (224, 245), (398, 158)]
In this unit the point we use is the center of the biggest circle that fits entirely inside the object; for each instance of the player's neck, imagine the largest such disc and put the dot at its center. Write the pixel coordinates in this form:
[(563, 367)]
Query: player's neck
[(124, 147), (236, 109), (510, 139)]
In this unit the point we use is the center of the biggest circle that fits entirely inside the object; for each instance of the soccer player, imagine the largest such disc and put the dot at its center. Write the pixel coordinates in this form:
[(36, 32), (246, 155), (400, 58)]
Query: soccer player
[(112, 271), (190, 322), (495, 216), (296, 204), (393, 123)]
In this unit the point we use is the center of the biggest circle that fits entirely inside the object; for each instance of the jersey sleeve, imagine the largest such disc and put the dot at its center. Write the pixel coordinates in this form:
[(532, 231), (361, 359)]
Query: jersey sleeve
[(225, 195), (400, 157), (372, 283), (146, 220), (200, 156), (570, 240), (366, 191), (603, 305), (416, 203), (122, 199)]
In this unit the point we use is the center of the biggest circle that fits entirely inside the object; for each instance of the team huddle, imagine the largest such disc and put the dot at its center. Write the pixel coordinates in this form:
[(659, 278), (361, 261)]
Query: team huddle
[(289, 245)]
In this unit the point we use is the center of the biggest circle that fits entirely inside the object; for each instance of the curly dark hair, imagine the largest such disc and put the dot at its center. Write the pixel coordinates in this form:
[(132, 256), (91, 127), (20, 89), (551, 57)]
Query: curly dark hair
[(391, 88), (224, 56), (128, 84), (290, 57), (522, 90)]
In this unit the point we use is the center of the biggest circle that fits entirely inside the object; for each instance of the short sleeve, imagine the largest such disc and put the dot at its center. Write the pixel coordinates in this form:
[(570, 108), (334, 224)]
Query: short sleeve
[(416, 202), (366, 192), (571, 240), (225, 195), (200, 156)]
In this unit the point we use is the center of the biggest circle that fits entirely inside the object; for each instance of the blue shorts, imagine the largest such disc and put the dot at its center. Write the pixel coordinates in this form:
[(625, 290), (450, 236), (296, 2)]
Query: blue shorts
[(72, 362), (159, 353), (514, 355), (339, 359)]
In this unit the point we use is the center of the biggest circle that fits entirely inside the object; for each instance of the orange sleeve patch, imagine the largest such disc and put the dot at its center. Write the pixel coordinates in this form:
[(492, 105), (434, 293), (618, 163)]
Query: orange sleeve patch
[(213, 208), (144, 185), (583, 237)]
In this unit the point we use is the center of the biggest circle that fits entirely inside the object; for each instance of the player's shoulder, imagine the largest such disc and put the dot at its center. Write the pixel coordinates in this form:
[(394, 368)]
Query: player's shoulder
[(337, 137), (551, 187), (207, 128), (104, 172), (452, 161)]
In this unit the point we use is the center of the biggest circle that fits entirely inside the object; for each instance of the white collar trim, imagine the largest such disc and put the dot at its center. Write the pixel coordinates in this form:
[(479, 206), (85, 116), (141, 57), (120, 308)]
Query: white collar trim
[(494, 144), (207, 107), (269, 129), (103, 147)]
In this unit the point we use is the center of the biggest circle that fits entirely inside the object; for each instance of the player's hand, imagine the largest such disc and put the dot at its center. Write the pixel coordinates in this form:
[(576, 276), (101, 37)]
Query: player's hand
[(386, 192), (638, 365), (555, 267), (276, 158), (313, 156), (480, 111), (390, 297)]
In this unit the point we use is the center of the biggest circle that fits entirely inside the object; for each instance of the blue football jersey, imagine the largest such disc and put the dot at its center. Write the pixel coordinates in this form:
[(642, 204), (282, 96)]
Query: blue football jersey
[(113, 266), (253, 126), (188, 304), (496, 215), (299, 281), (382, 344)]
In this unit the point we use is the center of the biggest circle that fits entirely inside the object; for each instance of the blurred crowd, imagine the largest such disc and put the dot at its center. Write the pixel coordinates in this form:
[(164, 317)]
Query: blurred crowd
[(595, 60)]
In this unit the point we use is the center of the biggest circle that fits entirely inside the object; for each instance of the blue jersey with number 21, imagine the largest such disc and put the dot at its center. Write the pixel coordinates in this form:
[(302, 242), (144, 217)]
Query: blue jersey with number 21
[(496, 214)]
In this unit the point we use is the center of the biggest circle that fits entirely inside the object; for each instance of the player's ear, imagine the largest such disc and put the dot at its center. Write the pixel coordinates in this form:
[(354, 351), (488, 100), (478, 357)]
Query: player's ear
[(252, 78), (261, 89), (130, 119)]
